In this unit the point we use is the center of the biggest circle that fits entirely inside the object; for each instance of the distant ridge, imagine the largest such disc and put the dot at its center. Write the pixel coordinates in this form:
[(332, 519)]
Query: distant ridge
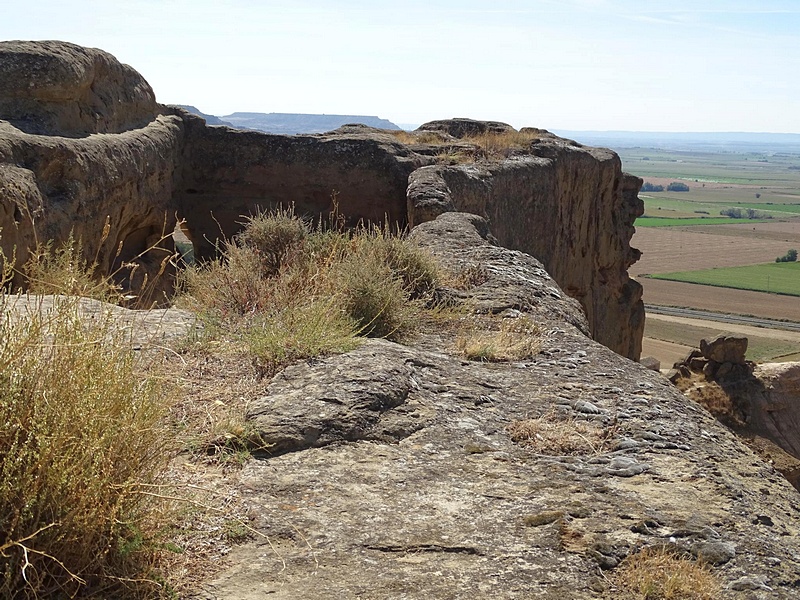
[(730, 141), (210, 119), (291, 123)]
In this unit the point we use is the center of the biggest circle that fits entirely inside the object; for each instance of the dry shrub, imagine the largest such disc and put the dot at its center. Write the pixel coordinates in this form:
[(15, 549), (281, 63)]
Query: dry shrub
[(274, 237), (63, 269), (290, 291), (555, 436), (661, 574), (515, 339), (82, 448)]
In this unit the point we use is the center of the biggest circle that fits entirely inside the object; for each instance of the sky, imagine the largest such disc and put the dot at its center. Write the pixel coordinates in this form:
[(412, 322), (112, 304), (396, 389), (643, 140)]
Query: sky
[(633, 65)]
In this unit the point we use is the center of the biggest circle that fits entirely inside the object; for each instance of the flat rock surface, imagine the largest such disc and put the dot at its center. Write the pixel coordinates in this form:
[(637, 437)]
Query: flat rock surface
[(406, 482)]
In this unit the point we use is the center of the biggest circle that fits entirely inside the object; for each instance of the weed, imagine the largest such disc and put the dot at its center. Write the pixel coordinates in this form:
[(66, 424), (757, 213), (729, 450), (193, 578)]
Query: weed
[(515, 339), (662, 574), (82, 446), (555, 436)]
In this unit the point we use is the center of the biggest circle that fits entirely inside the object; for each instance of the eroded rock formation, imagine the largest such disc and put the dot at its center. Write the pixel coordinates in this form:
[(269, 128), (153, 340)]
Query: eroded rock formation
[(571, 207), (82, 139), (394, 471)]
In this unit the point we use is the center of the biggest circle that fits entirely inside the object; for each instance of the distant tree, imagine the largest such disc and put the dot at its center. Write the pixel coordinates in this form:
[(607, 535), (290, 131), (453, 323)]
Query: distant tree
[(677, 186), (649, 187), (733, 213), (758, 195), (790, 256)]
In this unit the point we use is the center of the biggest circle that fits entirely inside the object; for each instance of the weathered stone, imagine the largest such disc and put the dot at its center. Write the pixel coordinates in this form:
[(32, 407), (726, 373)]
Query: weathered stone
[(57, 88), (715, 553), (725, 348), (459, 128), (536, 203), (649, 362), (116, 164)]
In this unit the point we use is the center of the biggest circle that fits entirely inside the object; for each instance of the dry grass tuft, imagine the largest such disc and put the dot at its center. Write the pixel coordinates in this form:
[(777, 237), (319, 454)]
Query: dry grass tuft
[(289, 290), (661, 574), (514, 339), (555, 436), (83, 447), (492, 145)]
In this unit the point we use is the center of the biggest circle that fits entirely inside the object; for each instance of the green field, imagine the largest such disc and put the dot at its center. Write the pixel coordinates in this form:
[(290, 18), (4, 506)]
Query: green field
[(683, 221), (758, 169), (776, 278)]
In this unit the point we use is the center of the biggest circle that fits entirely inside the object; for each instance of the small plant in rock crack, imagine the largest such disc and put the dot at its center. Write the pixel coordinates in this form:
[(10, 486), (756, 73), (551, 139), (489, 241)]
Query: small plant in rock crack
[(554, 435), (511, 339)]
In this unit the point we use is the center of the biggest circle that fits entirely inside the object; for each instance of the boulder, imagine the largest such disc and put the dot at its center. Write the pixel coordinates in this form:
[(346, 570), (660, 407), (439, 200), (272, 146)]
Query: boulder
[(82, 143), (51, 88), (461, 128), (725, 348)]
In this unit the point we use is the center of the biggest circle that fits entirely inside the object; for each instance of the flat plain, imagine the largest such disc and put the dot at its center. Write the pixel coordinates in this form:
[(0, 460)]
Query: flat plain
[(766, 183)]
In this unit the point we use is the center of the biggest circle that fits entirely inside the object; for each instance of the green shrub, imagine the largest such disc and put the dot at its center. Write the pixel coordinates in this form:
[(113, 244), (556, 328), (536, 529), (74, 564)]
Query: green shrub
[(80, 451), (274, 236)]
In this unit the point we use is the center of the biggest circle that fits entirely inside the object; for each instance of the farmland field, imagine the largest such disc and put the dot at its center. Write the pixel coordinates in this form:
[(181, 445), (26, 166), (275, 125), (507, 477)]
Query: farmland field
[(684, 232), (777, 278)]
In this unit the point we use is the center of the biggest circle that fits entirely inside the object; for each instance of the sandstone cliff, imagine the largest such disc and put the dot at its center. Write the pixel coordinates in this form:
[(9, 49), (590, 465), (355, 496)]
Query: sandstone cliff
[(82, 139)]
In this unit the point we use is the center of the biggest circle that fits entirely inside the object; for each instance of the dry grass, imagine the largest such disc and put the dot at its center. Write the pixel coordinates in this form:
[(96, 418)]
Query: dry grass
[(661, 574), (513, 339), (83, 447), (492, 145), (288, 290), (555, 436)]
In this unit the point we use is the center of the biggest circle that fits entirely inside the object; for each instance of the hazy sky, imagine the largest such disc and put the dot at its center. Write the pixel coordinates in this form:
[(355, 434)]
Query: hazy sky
[(651, 65)]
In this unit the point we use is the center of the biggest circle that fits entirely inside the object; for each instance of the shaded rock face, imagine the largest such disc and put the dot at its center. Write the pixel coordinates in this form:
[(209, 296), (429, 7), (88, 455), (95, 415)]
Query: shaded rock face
[(570, 206), (233, 173), (395, 474)]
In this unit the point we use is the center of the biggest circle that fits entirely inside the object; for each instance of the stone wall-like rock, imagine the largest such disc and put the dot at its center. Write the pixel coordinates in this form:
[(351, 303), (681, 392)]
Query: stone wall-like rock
[(81, 141), (571, 207), (228, 174)]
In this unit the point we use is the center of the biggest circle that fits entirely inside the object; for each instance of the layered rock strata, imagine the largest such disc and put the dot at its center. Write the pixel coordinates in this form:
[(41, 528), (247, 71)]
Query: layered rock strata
[(82, 140)]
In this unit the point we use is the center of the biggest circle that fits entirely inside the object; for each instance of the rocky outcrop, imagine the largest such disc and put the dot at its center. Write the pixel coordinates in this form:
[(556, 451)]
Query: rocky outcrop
[(571, 207), (227, 174), (398, 470), (57, 88), (82, 140), (81, 144), (760, 402)]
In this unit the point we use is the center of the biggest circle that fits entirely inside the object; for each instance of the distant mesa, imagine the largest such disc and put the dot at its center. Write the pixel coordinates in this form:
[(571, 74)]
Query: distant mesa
[(210, 119), (290, 123)]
